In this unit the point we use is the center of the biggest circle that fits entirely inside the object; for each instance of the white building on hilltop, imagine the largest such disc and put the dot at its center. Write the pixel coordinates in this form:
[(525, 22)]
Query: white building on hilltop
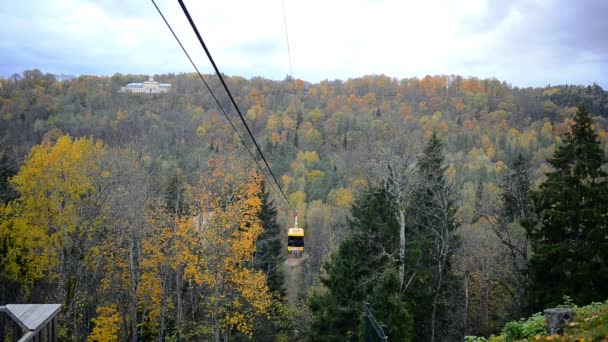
[(148, 87)]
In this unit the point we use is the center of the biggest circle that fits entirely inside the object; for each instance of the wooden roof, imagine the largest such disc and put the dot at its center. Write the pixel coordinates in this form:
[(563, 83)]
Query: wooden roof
[(32, 316)]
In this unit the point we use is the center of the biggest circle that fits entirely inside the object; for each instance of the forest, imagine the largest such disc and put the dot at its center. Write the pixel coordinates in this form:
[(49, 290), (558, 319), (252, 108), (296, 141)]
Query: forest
[(452, 205)]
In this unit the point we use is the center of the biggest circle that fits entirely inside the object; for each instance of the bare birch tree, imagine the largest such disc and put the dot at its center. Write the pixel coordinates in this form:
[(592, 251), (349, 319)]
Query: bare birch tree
[(395, 172)]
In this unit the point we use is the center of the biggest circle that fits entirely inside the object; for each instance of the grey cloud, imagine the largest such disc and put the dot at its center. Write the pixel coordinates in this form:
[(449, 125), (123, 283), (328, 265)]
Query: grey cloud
[(561, 41), (557, 41), (564, 24), (583, 25)]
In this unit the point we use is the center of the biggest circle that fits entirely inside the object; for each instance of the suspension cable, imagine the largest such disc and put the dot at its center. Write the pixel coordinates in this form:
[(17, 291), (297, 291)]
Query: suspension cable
[(287, 38), (219, 74), (216, 100)]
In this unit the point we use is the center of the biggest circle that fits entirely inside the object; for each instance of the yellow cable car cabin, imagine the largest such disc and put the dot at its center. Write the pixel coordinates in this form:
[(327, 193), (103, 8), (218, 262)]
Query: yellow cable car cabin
[(295, 239)]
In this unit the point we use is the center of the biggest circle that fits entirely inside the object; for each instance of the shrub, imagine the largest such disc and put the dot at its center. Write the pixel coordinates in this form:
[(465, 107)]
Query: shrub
[(524, 329), (590, 324), (474, 339)]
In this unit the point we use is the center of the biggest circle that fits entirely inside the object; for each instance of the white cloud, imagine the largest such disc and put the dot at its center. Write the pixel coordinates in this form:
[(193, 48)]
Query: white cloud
[(520, 41)]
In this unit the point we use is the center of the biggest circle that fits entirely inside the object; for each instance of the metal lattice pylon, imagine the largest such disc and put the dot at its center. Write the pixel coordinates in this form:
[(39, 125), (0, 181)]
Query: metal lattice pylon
[(373, 331)]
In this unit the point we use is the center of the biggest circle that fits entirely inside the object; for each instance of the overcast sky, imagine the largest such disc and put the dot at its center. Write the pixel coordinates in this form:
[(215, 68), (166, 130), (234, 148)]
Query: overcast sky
[(523, 42)]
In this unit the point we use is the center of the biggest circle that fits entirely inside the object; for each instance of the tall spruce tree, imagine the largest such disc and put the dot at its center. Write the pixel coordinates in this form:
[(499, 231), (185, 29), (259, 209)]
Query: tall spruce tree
[(175, 194), (9, 167), (431, 216), (269, 256), (362, 269), (570, 238)]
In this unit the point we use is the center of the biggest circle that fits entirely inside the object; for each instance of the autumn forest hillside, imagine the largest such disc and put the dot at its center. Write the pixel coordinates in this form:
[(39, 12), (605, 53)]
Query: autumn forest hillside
[(317, 142), (327, 143), (320, 143)]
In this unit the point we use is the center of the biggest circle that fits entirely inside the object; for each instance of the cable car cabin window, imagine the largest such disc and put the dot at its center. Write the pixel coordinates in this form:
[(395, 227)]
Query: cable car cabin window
[(295, 241)]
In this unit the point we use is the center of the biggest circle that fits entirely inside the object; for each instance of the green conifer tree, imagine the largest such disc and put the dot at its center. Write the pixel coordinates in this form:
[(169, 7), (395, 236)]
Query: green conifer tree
[(8, 168), (269, 256), (431, 215), (362, 269), (391, 307), (570, 238)]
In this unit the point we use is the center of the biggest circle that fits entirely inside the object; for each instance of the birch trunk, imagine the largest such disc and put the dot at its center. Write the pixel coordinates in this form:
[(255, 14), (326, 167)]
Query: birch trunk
[(401, 248)]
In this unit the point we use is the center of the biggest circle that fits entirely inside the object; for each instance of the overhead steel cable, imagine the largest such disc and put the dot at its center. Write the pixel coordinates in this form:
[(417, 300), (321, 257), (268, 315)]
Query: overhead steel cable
[(216, 100), (236, 107), (287, 38)]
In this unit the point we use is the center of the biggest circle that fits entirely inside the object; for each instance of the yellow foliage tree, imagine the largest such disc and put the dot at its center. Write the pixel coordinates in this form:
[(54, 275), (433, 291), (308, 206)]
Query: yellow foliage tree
[(166, 256), (107, 324), (315, 175), (55, 180), (227, 226), (298, 198), (342, 197), (308, 157), (58, 185), (24, 255), (255, 114)]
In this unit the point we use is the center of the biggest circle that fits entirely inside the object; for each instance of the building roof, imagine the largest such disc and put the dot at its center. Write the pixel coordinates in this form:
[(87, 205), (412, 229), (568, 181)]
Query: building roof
[(32, 316), (150, 82)]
